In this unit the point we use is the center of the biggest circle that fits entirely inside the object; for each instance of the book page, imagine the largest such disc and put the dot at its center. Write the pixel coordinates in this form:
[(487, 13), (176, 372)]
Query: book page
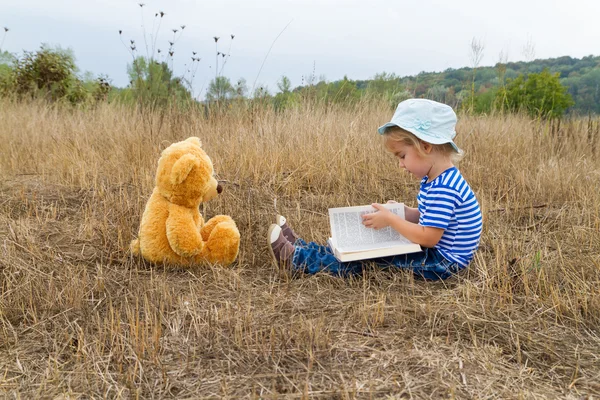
[(349, 234)]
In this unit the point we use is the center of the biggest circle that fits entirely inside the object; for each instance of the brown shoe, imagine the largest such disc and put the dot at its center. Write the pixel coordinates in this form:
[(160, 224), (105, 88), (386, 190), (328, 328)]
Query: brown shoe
[(281, 250), (288, 232)]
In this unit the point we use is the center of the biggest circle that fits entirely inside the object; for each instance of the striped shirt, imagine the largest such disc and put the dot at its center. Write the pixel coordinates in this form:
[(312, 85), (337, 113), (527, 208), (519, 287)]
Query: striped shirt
[(447, 202)]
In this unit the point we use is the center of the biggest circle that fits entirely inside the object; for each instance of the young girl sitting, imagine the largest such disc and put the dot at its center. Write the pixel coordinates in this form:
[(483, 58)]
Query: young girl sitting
[(447, 223)]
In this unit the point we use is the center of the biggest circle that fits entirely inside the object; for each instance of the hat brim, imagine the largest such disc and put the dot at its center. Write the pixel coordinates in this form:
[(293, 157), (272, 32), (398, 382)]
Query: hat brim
[(383, 128)]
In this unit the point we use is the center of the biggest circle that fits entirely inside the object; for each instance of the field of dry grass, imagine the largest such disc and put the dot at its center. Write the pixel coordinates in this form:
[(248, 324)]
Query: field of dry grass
[(81, 318)]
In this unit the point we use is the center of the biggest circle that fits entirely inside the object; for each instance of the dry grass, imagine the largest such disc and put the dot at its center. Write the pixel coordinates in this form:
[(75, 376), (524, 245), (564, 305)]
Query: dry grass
[(80, 318)]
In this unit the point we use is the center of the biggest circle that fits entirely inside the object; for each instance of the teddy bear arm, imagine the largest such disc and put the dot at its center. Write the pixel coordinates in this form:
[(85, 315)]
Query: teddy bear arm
[(182, 233), (199, 221)]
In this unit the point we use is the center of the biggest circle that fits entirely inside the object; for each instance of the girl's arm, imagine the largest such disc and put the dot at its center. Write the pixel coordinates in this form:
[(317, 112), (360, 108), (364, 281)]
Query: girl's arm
[(411, 214), (423, 235), (426, 236)]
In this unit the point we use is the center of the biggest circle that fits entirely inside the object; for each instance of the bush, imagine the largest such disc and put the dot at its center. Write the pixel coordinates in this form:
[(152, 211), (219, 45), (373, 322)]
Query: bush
[(539, 94), (47, 73)]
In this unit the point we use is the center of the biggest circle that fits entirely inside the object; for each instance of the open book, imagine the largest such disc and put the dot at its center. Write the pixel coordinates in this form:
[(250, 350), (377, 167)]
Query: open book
[(350, 240)]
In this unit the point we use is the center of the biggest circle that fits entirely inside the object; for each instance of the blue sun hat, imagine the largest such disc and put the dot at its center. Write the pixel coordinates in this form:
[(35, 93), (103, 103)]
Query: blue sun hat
[(428, 120)]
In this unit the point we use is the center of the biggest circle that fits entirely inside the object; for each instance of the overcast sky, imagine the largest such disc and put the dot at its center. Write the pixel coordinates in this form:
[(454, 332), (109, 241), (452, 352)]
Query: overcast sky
[(357, 38)]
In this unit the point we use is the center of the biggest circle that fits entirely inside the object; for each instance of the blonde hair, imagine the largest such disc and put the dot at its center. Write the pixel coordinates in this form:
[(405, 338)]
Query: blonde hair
[(397, 134)]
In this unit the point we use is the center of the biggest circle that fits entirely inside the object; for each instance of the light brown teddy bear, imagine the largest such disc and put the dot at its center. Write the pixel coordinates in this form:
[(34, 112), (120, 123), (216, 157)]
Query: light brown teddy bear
[(172, 229)]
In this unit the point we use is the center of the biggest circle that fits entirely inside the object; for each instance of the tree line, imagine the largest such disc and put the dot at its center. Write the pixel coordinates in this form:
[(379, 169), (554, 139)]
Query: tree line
[(546, 88)]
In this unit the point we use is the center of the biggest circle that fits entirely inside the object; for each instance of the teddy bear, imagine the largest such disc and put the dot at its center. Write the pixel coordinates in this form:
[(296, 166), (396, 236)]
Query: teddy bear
[(172, 230)]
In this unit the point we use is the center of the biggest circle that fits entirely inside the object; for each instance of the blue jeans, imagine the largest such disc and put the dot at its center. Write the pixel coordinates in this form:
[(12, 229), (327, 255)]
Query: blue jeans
[(427, 264)]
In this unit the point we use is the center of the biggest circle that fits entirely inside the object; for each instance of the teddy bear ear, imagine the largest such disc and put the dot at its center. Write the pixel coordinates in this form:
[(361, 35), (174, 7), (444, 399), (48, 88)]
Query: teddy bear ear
[(194, 140), (182, 168)]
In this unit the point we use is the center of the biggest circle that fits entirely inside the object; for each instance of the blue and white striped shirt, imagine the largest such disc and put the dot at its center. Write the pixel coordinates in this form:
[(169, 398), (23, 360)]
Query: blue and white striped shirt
[(447, 202)]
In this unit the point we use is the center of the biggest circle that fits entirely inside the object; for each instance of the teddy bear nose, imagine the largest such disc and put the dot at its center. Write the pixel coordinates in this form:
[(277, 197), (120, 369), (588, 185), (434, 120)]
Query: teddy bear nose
[(219, 188)]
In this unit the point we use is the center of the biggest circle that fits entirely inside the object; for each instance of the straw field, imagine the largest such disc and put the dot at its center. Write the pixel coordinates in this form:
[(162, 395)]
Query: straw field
[(81, 318)]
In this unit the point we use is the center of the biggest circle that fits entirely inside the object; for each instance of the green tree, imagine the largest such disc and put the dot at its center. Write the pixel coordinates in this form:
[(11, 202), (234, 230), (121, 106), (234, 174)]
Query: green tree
[(285, 98), (385, 86), (241, 88), (585, 90), (6, 59), (539, 94), (485, 101), (284, 85), (153, 84), (220, 89), (6, 72), (339, 92), (437, 93)]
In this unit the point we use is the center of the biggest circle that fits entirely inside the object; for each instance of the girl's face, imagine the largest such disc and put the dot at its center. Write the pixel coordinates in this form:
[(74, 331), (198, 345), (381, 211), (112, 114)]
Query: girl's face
[(410, 158)]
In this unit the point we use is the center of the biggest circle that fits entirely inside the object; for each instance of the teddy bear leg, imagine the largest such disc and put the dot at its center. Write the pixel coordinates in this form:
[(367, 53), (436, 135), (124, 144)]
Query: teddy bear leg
[(223, 240), (211, 223)]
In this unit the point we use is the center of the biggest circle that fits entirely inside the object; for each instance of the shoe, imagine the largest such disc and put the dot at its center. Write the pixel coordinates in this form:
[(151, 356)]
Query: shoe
[(281, 249), (288, 232)]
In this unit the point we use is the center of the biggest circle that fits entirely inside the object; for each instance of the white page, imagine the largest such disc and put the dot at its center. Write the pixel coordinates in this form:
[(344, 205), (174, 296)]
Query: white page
[(349, 234)]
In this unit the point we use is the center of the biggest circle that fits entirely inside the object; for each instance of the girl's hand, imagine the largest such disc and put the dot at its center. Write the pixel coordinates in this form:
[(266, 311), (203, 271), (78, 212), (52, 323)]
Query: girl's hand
[(391, 201), (379, 219)]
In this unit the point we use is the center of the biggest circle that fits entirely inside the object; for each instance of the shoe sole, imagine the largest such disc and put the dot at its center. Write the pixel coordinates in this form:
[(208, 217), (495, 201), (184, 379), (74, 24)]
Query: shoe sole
[(280, 220)]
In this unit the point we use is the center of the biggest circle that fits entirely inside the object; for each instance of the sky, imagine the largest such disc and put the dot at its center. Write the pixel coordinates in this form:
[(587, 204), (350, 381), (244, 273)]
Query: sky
[(300, 39)]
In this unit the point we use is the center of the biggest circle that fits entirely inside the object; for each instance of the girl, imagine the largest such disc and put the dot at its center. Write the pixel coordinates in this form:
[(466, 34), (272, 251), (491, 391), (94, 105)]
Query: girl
[(447, 223)]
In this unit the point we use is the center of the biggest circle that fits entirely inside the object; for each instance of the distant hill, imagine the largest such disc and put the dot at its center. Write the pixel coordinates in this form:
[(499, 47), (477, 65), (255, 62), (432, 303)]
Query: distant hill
[(581, 76)]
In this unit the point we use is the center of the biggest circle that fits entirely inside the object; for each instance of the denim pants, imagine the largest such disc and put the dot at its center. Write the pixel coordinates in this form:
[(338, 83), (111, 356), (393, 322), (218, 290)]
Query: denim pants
[(427, 264)]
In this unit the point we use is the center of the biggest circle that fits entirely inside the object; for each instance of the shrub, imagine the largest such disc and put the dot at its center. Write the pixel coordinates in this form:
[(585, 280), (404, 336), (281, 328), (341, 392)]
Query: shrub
[(539, 94), (47, 73)]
